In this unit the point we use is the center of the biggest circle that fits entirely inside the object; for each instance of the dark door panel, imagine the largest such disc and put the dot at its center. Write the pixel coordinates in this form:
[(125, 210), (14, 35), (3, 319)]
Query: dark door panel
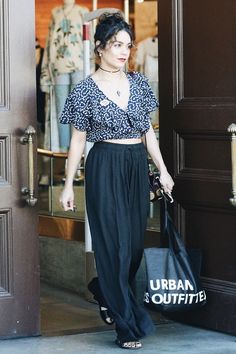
[(197, 46), (19, 264)]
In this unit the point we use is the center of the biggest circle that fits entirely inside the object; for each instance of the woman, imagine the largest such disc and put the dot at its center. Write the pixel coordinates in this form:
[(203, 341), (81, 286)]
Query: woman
[(110, 108)]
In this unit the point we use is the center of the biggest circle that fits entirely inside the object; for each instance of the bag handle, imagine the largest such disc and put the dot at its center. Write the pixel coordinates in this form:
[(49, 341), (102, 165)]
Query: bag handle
[(176, 242), (163, 194)]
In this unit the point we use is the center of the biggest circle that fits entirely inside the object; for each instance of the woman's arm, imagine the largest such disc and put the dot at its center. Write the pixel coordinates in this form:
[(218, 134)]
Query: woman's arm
[(77, 145), (155, 153)]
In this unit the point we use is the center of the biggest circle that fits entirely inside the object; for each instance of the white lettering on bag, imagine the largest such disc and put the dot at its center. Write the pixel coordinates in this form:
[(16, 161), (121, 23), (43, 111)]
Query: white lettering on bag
[(170, 291), (175, 298), (171, 284)]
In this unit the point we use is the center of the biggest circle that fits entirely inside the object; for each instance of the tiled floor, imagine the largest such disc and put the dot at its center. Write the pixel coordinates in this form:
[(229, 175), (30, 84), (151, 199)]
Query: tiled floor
[(171, 338), (67, 313), (64, 312)]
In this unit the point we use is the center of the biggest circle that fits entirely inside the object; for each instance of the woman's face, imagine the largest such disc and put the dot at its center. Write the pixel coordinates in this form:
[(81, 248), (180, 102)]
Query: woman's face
[(116, 52)]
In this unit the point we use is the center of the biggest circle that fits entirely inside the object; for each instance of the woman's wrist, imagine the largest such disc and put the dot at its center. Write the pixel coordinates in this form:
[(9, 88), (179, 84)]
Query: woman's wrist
[(69, 183), (162, 169)]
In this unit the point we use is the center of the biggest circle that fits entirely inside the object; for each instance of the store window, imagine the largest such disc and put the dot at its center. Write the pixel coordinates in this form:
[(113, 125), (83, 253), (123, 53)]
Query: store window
[(59, 62)]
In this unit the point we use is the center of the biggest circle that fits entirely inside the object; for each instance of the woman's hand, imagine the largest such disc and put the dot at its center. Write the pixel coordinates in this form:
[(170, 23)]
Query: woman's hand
[(167, 182), (67, 199), (155, 153), (77, 145)]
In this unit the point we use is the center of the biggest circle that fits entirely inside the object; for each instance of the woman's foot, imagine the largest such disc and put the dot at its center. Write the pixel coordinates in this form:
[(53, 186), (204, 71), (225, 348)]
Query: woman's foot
[(94, 288), (104, 313), (129, 345)]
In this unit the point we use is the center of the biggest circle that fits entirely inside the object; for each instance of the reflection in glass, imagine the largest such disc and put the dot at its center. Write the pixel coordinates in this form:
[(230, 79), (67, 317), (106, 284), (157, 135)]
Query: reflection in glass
[(51, 183), (55, 137)]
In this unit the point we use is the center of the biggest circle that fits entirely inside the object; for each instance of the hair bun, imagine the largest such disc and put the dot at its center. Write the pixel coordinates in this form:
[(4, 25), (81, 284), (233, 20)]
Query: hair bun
[(109, 17), (109, 24)]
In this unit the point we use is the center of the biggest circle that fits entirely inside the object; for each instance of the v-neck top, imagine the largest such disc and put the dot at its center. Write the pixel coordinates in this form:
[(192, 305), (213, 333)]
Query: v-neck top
[(90, 110)]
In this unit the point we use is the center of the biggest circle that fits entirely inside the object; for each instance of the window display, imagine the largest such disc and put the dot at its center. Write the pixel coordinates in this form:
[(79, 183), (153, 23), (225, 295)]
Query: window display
[(62, 64), (62, 69)]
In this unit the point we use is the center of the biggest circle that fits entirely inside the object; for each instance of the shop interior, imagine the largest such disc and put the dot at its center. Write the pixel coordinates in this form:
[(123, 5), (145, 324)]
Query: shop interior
[(65, 306)]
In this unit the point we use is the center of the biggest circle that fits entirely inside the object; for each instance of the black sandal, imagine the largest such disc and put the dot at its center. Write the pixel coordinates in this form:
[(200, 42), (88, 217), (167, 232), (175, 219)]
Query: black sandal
[(106, 317), (94, 288), (129, 345)]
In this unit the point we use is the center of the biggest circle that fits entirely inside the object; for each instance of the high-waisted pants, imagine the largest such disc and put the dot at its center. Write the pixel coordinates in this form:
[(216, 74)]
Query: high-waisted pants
[(117, 197)]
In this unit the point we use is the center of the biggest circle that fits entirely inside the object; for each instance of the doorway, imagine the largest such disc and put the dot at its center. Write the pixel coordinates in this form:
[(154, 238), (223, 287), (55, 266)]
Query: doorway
[(197, 105), (64, 308)]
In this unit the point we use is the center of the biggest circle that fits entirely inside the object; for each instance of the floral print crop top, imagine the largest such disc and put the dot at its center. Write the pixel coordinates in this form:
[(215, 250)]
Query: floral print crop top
[(89, 109)]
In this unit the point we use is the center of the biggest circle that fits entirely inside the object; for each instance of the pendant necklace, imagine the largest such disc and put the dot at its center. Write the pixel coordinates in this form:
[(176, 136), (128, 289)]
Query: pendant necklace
[(118, 92)]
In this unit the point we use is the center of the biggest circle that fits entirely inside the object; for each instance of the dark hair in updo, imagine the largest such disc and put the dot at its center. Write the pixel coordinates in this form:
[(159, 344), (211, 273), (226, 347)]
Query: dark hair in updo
[(109, 24)]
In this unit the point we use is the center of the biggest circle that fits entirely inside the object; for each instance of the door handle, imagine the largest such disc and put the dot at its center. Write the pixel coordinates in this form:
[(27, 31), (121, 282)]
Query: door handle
[(232, 130), (27, 138)]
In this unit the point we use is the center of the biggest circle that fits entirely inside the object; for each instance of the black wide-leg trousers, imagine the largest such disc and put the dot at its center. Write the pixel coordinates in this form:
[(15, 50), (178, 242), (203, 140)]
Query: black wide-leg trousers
[(117, 200)]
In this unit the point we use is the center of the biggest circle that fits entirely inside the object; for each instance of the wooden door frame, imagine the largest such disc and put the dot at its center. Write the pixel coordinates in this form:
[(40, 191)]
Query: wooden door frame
[(19, 281)]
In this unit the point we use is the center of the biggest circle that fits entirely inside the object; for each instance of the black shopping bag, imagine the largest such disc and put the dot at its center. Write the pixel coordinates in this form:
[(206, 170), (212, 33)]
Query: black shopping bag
[(173, 282)]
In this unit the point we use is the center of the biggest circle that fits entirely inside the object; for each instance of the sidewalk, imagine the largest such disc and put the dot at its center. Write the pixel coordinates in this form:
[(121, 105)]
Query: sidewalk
[(170, 338)]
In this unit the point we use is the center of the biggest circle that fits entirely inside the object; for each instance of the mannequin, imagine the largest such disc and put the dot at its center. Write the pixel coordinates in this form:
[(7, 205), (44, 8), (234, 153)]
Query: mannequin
[(147, 57), (146, 61), (62, 64)]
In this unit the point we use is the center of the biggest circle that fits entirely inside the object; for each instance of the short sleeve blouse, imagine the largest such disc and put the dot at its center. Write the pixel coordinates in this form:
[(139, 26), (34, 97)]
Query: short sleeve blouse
[(90, 110)]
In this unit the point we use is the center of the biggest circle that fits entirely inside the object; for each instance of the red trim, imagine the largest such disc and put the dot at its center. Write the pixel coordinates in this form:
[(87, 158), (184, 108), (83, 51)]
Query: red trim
[(86, 32)]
